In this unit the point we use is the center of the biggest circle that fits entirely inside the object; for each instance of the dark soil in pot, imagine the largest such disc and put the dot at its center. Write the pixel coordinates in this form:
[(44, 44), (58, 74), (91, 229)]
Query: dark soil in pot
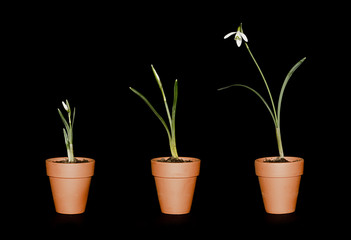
[(77, 161), (276, 160), (173, 160)]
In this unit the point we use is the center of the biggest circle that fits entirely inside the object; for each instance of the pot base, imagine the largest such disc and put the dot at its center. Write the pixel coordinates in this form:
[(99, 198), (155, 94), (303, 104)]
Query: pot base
[(175, 195), (70, 195), (279, 194)]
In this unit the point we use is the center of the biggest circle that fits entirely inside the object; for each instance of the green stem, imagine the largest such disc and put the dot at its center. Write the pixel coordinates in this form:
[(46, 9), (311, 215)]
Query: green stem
[(280, 145), (173, 147), (276, 122), (264, 79), (70, 153)]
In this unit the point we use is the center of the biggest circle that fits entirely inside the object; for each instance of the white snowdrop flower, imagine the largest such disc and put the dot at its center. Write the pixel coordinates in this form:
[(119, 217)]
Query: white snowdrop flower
[(239, 36)]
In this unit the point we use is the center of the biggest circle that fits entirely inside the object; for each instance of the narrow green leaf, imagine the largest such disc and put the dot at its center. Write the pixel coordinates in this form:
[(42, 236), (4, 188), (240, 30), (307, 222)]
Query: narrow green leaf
[(259, 95), (153, 110), (74, 116), (163, 94), (287, 78), (174, 109), (66, 138), (174, 106), (63, 119)]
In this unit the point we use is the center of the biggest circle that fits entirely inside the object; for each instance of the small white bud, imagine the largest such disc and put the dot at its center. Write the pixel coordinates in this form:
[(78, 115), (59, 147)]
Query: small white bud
[(65, 106)]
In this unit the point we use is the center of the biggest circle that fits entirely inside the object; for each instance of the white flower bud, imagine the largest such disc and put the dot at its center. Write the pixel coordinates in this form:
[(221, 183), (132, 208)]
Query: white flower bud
[(65, 106)]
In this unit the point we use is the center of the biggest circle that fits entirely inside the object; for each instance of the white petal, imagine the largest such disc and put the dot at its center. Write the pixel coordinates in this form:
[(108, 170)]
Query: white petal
[(243, 36), (228, 35), (64, 105), (238, 41)]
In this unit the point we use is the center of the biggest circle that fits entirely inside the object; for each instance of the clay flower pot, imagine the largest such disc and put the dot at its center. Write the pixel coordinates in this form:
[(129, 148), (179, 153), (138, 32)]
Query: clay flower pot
[(279, 183), (175, 184), (70, 183)]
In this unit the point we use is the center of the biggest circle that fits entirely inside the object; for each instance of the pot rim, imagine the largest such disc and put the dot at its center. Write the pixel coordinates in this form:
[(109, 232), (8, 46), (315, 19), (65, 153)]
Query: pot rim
[(55, 159), (262, 160), (279, 169), (176, 170), (69, 170)]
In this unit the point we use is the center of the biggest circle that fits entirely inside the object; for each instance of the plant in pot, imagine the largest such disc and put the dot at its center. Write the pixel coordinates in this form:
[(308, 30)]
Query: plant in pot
[(69, 176), (279, 177), (175, 176)]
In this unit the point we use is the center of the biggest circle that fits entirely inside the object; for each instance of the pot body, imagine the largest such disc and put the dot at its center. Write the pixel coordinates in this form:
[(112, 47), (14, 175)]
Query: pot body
[(175, 184), (70, 183), (279, 183)]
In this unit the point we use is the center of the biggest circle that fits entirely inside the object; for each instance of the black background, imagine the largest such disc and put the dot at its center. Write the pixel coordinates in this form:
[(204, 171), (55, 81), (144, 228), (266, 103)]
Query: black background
[(91, 54)]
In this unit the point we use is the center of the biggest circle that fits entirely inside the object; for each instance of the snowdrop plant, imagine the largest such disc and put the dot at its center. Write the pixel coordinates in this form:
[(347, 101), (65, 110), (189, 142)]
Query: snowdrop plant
[(239, 37), (171, 118), (68, 130)]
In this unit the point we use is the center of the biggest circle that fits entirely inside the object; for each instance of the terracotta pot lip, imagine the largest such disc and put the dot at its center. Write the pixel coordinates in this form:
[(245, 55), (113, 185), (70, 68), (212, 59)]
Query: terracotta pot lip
[(69, 170), (279, 169), (192, 159), (55, 159), (290, 159), (176, 169)]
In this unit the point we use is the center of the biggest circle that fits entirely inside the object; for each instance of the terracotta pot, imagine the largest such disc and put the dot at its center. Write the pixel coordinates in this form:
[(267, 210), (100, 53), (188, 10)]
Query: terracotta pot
[(279, 183), (175, 184), (70, 184)]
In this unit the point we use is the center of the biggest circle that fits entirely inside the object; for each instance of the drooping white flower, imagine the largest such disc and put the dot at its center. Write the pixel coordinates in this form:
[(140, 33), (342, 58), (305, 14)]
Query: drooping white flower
[(239, 36)]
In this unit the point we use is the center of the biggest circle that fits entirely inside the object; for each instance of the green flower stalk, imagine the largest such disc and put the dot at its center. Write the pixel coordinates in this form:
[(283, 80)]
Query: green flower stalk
[(239, 36), (171, 118), (68, 130)]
